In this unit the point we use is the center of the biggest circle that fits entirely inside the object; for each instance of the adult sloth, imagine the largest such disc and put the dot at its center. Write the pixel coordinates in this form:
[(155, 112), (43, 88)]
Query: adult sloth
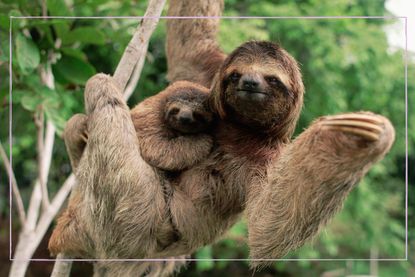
[(288, 189)]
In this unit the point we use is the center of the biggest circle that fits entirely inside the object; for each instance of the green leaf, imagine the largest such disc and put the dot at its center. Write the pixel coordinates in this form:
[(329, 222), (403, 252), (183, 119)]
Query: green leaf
[(87, 35), (74, 53), (27, 54), (30, 102), (204, 253), (4, 22), (62, 28), (53, 114), (74, 69), (18, 94), (58, 7)]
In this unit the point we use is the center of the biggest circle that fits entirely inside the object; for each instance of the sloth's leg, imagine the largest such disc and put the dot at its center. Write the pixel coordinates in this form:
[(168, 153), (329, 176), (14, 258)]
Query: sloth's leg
[(309, 181), (75, 136), (66, 237)]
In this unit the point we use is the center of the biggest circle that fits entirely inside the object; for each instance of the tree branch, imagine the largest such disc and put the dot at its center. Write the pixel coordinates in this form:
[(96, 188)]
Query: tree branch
[(48, 148), (132, 84), (15, 188), (61, 268), (33, 210), (40, 125), (136, 48)]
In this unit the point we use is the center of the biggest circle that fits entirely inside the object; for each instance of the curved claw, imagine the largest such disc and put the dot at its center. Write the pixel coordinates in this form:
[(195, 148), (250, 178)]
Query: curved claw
[(364, 125), (356, 116), (84, 137)]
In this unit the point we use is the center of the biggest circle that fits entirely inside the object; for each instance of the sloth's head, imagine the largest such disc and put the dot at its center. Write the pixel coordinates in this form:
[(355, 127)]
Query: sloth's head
[(259, 86), (186, 109)]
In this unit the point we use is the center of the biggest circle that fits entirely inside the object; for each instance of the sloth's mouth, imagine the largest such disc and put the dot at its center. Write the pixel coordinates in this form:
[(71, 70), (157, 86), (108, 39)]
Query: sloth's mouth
[(252, 91), (251, 95)]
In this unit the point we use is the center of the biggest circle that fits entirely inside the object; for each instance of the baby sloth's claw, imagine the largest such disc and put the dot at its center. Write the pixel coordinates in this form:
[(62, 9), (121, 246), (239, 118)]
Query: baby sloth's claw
[(366, 126)]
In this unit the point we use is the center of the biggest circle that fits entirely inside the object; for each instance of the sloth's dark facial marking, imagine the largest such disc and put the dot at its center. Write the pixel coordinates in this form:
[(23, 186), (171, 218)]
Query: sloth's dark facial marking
[(187, 113), (260, 84)]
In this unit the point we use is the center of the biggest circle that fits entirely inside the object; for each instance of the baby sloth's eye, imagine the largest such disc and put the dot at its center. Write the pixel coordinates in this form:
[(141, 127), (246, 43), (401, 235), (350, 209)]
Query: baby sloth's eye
[(174, 111), (199, 117), (235, 76)]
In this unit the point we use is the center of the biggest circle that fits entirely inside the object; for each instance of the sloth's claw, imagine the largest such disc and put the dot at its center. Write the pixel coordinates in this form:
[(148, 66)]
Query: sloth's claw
[(356, 116), (84, 136), (366, 126), (354, 123)]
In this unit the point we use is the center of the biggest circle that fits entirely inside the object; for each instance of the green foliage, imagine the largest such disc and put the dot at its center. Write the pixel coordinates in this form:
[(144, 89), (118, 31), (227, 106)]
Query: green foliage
[(346, 64), (71, 69), (205, 256), (27, 54)]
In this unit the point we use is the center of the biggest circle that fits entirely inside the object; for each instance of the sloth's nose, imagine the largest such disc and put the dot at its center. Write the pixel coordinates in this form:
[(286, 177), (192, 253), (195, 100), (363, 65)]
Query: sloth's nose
[(185, 118), (250, 84)]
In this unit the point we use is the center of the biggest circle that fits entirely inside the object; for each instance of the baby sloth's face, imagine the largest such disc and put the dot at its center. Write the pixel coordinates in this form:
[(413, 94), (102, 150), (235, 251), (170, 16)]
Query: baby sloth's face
[(187, 117)]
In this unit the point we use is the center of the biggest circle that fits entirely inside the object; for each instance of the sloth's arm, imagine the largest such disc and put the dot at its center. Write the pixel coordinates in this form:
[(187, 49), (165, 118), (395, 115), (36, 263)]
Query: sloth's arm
[(112, 170), (309, 181), (75, 137), (157, 147), (176, 153), (193, 53)]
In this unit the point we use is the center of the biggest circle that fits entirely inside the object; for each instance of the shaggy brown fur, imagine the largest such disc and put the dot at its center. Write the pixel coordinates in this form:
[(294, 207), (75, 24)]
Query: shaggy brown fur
[(192, 40), (173, 126), (165, 142), (288, 189)]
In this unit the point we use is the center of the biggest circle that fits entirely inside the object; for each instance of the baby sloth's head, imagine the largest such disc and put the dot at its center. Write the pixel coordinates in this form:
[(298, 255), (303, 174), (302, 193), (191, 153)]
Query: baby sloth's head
[(186, 109)]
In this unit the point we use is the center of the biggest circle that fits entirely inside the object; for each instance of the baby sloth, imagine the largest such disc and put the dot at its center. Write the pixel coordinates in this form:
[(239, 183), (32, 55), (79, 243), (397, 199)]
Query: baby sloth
[(173, 126)]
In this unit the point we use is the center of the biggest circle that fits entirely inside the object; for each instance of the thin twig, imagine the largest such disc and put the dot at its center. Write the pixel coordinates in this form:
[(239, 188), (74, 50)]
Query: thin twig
[(132, 84), (136, 47), (15, 188), (40, 125), (44, 8), (33, 210), (48, 148)]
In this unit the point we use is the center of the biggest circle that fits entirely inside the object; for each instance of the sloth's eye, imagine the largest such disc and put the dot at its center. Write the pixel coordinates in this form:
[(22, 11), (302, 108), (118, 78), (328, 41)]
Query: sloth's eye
[(235, 76), (273, 80)]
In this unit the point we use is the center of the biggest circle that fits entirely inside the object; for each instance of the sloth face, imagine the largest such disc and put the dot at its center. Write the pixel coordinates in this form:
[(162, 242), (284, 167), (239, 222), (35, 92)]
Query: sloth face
[(187, 117), (260, 86), (257, 93)]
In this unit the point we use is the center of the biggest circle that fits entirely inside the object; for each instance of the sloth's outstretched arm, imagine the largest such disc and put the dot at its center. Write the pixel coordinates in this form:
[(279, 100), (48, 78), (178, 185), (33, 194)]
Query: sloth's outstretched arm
[(310, 180), (193, 53)]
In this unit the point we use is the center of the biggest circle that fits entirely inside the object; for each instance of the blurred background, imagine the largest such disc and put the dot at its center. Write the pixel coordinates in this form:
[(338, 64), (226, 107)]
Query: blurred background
[(347, 65)]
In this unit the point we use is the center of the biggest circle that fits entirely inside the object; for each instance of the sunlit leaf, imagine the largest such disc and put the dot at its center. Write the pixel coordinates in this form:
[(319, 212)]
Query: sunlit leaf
[(87, 35), (74, 69), (27, 53)]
